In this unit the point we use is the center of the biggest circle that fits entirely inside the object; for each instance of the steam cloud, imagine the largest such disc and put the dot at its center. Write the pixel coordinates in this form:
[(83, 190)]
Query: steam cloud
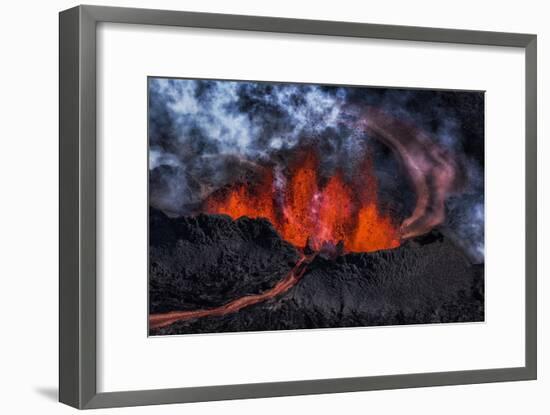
[(206, 134)]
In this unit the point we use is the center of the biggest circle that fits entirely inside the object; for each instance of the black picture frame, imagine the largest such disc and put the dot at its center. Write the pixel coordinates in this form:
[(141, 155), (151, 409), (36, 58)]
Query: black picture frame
[(77, 155)]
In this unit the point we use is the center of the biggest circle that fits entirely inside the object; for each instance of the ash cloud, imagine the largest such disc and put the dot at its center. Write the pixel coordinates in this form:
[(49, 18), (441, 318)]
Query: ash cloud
[(206, 134)]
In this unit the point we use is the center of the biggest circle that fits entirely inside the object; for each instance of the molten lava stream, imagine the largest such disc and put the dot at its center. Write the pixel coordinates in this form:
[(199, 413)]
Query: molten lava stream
[(157, 321)]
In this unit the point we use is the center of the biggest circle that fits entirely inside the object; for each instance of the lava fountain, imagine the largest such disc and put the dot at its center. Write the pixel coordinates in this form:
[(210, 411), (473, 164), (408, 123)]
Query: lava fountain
[(305, 209)]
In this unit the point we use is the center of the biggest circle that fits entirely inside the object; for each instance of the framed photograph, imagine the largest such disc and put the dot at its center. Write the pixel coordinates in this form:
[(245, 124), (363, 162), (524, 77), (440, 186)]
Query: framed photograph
[(256, 207)]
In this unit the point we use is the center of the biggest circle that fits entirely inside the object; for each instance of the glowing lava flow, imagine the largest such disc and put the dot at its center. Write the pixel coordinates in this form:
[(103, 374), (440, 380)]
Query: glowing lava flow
[(157, 321)]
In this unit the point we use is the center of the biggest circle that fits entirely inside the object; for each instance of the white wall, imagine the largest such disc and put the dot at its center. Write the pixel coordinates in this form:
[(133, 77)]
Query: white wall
[(28, 212)]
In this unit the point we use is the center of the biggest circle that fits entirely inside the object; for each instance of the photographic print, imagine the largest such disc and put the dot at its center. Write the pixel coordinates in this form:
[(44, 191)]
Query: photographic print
[(281, 206)]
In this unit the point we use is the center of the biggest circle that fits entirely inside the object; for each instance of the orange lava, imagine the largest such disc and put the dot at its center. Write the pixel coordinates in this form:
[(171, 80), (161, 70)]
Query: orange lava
[(298, 215), (157, 321), (305, 207)]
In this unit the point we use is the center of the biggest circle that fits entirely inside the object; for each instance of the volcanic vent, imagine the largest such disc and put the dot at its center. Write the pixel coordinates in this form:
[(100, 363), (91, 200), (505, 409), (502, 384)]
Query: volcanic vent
[(308, 211)]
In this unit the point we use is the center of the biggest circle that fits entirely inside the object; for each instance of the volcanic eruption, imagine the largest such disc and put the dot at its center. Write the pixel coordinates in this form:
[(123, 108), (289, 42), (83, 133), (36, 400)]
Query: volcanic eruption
[(266, 231), (306, 211), (335, 215)]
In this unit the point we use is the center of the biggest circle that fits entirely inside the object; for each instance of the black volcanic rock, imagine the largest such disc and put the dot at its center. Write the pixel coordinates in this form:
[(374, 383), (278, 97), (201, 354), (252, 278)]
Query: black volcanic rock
[(426, 280), (414, 283), (208, 260)]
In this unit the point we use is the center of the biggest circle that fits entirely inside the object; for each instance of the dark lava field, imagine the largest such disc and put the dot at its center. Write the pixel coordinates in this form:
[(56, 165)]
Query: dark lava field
[(206, 261)]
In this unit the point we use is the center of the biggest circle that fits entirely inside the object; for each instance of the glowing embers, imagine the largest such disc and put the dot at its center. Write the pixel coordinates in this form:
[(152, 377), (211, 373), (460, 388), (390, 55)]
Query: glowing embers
[(301, 206)]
